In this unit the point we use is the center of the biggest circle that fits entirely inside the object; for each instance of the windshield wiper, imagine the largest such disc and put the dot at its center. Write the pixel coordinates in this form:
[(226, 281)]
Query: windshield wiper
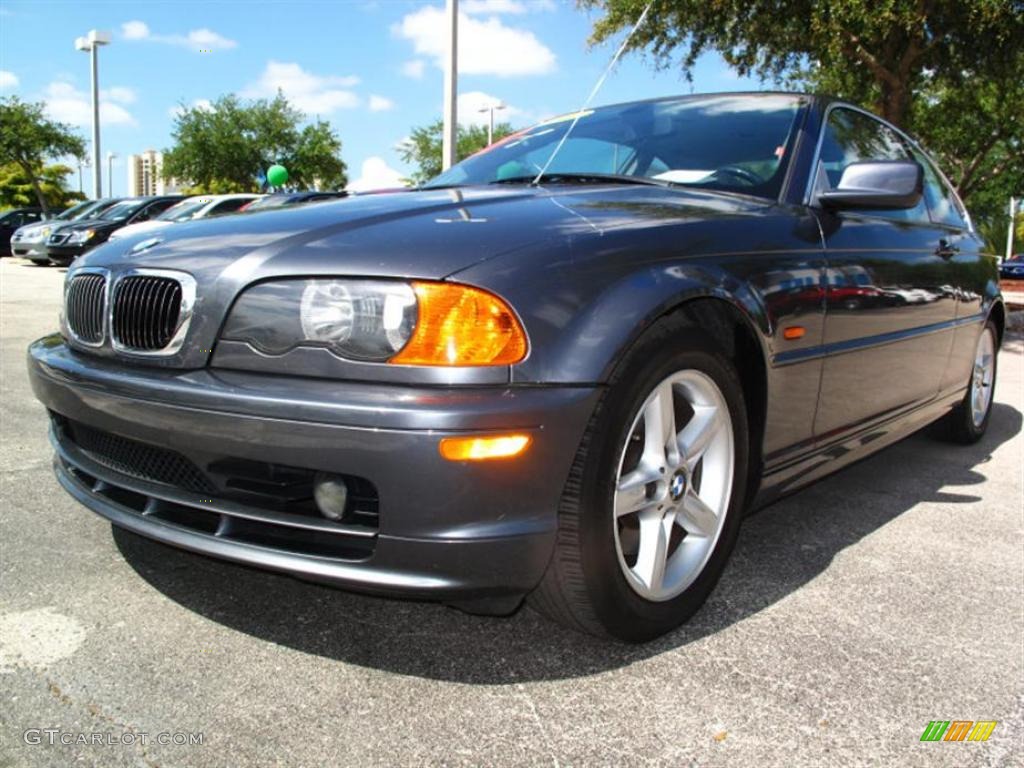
[(585, 178)]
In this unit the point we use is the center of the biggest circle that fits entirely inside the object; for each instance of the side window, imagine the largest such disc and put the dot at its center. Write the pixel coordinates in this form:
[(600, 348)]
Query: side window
[(228, 206), (944, 205), (154, 209), (852, 137)]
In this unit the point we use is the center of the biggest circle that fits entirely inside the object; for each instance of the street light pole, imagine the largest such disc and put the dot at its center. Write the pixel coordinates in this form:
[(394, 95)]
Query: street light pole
[(490, 120), (451, 74), (1009, 232), (83, 162), (110, 173), (91, 43)]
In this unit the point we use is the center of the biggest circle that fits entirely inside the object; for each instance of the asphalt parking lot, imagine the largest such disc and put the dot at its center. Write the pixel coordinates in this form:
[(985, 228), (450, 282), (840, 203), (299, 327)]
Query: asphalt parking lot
[(851, 615)]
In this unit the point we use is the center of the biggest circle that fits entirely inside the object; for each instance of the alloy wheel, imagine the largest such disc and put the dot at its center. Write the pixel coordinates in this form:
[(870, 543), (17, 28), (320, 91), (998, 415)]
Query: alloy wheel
[(675, 477), (983, 377)]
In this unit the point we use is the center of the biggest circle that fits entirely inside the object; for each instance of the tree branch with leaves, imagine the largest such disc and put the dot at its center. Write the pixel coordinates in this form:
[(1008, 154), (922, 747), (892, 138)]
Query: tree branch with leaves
[(28, 138)]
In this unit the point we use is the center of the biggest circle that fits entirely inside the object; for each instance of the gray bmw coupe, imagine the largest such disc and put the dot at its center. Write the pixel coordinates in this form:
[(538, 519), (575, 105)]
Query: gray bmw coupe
[(563, 370)]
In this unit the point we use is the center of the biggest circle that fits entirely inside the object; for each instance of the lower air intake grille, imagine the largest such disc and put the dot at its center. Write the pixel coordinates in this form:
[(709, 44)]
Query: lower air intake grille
[(84, 303), (146, 462), (146, 311)]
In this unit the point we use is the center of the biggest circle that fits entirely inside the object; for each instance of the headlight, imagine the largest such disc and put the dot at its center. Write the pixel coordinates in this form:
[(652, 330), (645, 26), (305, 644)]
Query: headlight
[(81, 235), (419, 323)]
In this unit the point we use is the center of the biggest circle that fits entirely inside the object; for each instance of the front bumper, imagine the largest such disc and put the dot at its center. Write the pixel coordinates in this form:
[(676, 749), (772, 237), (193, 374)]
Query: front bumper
[(36, 251), (63, 255), (449, 531)]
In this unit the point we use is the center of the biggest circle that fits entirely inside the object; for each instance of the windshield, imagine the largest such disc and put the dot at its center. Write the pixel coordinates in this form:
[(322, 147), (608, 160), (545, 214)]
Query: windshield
[(121, 211), (184, 210), (75, 211), (733, 143)]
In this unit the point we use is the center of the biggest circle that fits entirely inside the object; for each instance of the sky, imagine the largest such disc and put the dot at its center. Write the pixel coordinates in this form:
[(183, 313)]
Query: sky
[(372, 68)]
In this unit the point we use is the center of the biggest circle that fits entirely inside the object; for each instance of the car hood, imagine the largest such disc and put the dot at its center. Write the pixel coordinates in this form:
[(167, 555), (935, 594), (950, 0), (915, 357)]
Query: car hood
[(426, 234), (36, 226), (142, 226), (99, 225)]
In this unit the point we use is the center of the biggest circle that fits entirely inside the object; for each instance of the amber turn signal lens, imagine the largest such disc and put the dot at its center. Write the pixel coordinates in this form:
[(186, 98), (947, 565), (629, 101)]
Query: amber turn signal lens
[(460, 325), (483, 448), (794, 332)]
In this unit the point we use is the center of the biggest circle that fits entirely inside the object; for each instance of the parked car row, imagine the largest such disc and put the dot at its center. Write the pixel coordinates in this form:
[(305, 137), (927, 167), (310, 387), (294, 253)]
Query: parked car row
[(62, 239), (189, 209)]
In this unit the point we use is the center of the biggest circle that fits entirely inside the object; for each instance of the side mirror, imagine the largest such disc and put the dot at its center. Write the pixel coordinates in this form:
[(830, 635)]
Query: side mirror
[(877, 184)]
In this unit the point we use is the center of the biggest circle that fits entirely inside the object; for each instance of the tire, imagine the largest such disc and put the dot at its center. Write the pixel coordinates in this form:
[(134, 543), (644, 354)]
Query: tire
[(590, 584), (967, 423)]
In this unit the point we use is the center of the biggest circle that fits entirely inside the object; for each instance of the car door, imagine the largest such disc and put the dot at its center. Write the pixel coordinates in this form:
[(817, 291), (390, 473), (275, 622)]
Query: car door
[(969, 275), (890, 311)]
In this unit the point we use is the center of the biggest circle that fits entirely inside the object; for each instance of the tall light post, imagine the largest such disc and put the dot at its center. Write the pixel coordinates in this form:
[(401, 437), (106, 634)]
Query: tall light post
[(490, 120), (91, 43), (111, 156), (1010, 231), (451, 74), (83, 162)]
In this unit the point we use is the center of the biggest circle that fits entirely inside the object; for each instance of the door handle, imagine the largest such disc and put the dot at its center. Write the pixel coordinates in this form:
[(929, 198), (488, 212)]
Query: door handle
[(946, 250)]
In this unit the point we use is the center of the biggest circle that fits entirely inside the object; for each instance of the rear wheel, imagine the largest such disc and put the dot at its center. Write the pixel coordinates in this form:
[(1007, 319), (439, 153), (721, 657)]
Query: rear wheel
[(653, 504), (968, 421)]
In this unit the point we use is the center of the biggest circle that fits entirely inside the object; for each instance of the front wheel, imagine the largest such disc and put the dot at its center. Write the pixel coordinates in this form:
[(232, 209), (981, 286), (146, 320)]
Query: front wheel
[(653, 504)]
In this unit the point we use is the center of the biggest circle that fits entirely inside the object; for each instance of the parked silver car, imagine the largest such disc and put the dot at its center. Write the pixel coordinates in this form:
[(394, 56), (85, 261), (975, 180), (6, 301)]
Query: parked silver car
[(29, 241)]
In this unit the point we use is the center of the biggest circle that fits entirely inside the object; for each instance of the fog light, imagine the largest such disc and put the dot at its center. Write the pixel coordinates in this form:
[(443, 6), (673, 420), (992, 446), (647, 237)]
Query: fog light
[(331, 495)]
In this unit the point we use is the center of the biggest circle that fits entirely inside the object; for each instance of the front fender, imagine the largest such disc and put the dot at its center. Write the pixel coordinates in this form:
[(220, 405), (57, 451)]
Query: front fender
[(581, 318), (597, 336)]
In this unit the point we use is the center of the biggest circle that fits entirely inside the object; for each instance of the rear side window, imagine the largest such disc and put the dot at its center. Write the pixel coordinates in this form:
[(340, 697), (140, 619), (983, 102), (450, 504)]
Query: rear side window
[(852, 137)]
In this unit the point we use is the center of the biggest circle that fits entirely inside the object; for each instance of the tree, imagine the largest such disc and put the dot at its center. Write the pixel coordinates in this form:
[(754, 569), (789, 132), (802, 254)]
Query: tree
[(224, 147), (28, 139), (18, 191), (944, 70), (423, 148)]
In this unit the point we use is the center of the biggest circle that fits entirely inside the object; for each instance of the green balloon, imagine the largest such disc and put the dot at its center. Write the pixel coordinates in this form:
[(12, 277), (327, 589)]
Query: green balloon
[(277, 175)]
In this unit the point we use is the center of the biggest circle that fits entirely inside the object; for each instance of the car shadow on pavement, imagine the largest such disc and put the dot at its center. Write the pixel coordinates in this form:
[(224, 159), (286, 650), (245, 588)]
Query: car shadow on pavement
[(780, 549)]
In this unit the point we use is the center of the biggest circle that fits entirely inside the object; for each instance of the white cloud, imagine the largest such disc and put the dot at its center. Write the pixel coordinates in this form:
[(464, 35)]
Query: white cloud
[(8, 80), (203, 104), (380, 103), (312, 94), (135, 30), (203, 40), (471, 102), (67, 104), (376, 174), (486, 46), (414, 68), (119, 94)]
